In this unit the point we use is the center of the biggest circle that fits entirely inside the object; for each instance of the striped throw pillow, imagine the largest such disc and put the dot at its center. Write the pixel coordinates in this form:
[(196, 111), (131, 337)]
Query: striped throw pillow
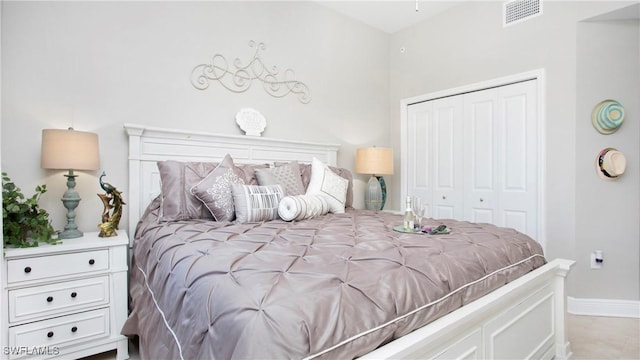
[(254, 203)]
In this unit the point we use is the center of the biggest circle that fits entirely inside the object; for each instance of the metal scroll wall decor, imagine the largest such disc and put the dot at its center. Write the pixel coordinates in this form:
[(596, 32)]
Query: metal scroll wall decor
[(239, 77)]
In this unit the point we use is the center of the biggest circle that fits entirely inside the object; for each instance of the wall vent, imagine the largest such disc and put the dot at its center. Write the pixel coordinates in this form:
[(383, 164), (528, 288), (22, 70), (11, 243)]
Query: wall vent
[(515, 11)]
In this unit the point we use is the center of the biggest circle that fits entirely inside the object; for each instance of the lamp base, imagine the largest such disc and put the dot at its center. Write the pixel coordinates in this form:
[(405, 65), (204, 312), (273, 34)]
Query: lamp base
[(70, 234), (383, 187), (70, 200), (375, 195)]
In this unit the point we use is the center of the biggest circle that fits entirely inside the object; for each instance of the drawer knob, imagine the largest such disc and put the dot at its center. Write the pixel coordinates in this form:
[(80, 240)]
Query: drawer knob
[(91, 261), (49, 298), (50, 334), (74, 294), (74, 329), (27, 269)]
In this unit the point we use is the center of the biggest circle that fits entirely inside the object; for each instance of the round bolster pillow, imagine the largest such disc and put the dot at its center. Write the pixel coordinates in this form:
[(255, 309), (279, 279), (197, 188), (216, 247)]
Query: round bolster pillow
[(300, 207)]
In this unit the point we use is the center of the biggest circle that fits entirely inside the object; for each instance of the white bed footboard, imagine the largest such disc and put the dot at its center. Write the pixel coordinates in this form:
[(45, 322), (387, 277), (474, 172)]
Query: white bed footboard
[(524, 319)]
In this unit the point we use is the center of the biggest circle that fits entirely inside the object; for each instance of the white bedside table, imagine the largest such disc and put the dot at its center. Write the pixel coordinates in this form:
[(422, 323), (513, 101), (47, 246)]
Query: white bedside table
[(67, 300)]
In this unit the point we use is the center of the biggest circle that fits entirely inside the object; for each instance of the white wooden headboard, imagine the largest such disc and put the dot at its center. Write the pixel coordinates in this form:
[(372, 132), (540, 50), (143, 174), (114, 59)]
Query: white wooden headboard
[(147, 145)]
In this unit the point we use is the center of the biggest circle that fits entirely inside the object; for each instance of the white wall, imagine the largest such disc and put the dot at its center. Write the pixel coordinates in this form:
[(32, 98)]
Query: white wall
[(467, 44), (98, 65), (608, 213)]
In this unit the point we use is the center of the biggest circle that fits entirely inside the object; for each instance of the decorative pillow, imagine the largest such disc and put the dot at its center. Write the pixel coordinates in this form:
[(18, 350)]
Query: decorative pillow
[(214, 191), (326, 182), (305, 174), (300, 207), (248, 171), (177, 178), (287, 175), (254, 203)]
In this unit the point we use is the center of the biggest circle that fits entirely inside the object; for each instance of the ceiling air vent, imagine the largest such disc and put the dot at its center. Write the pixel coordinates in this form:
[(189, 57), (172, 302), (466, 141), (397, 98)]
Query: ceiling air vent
[(516, 11)]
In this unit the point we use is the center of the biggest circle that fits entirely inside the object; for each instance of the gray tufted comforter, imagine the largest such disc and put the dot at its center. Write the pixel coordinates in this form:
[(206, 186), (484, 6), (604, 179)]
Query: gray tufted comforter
[(337, 286)]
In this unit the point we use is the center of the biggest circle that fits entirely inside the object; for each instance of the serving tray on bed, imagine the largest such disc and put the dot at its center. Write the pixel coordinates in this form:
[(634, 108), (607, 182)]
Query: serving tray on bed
[(400, 228)]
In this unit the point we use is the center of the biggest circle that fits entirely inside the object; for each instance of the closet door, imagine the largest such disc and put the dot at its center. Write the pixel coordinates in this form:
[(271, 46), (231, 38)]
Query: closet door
[(480, 152), (435, 156), (501, 157), (418, 158), (447, 159), (518, 157), (474, 156)]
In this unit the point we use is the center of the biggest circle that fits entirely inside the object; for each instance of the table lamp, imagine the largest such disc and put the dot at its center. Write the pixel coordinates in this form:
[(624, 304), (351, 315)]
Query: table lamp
[(69, 150), (377, 162)]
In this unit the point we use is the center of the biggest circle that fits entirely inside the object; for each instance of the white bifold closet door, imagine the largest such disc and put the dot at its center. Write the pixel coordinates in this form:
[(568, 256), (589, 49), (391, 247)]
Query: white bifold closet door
[(474, 156), (436, 156)]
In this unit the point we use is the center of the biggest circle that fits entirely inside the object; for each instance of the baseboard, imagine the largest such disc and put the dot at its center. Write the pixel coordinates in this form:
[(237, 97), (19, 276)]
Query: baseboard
[(603, 307)]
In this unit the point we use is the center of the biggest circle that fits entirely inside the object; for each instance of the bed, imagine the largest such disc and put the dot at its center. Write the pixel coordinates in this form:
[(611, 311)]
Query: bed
[(340, 285)]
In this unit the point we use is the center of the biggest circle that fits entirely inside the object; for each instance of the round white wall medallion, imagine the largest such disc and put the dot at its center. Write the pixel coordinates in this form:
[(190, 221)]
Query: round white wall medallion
[(251, 121)]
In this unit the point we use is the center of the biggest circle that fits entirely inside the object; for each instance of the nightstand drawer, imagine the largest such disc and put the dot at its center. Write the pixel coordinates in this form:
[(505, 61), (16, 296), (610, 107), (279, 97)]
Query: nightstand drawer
[(50, 300), (57, 265), (61, 331)]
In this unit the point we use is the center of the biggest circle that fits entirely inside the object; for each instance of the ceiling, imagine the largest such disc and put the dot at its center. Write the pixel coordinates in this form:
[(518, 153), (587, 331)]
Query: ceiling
[(626, 13), (389, 16)]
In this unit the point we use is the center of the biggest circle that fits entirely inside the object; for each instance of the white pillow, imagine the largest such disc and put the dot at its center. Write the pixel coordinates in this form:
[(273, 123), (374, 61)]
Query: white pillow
[(331, 185), (300, 207)]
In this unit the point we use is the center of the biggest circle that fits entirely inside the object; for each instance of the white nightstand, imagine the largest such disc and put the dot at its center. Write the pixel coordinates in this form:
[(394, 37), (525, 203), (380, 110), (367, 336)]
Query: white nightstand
[(67, 300)]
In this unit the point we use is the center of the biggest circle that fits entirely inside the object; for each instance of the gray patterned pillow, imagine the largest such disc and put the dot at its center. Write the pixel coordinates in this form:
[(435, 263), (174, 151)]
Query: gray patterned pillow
[(287, 175), (215, 190), (254, 203)]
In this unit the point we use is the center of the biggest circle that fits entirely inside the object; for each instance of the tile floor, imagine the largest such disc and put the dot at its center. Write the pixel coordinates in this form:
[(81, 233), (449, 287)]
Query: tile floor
[(591, 337), (606, 338)]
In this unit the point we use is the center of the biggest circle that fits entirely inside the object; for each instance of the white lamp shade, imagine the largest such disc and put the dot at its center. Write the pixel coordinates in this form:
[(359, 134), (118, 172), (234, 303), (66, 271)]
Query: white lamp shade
[(374, 160), (69, 150)]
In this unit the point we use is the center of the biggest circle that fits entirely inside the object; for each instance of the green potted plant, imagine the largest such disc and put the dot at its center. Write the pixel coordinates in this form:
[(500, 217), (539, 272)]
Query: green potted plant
[(24, 222)]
